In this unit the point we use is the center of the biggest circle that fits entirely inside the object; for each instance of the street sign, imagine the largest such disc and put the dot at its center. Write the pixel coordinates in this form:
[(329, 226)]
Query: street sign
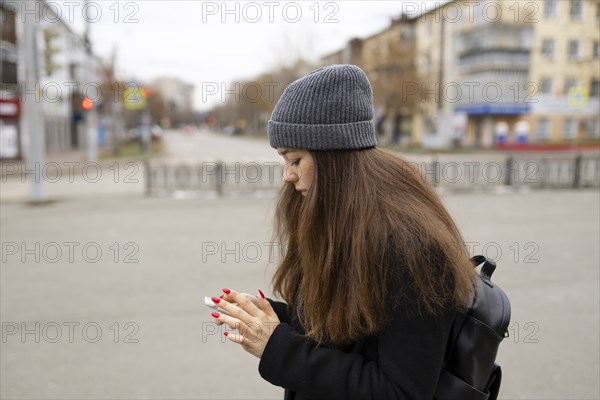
[(578, 97), (134, 98)]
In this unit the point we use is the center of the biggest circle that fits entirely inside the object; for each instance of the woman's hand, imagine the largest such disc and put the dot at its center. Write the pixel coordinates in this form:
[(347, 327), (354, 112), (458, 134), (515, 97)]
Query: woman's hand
[(254, 300), (252, 317)]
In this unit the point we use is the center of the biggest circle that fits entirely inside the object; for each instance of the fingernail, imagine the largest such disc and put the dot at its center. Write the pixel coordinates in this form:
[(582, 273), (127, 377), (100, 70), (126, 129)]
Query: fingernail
[(261, 294), (215, 314), (221, 296), (226, 291), (215, 300), (225, 333)]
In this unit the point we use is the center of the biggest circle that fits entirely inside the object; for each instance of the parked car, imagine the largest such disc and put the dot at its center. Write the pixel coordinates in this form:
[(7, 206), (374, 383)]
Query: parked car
[(157, 132)]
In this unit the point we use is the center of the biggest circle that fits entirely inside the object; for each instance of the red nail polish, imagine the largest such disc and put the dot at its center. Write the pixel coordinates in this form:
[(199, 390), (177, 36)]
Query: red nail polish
[(215, 314), (215, 300), (226, 291), (226, 333), (221, 296), (261, 294)]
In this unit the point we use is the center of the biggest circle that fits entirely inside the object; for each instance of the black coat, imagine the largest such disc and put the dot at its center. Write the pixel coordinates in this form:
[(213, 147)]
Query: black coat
[(403, 361)]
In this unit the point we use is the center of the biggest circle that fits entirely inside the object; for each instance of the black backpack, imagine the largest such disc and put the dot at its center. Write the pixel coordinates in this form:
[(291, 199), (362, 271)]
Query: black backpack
[(470, 371)]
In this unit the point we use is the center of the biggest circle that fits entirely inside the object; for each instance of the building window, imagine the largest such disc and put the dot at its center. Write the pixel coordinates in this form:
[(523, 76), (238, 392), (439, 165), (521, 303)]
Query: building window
[(597, 50), (569, 128), (576, 9), (595, 89), (548, 49), (546, 86), (574, 50), (570, 83), (592, 126), (543, 128), (550, 8)]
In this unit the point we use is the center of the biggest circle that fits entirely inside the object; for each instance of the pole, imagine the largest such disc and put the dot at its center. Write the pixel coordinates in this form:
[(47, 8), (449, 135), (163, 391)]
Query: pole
[(116, 106), (92, 115), (33, 112)]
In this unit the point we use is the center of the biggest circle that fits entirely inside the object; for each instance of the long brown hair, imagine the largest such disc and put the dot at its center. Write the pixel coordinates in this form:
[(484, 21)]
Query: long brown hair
[(370, 231)]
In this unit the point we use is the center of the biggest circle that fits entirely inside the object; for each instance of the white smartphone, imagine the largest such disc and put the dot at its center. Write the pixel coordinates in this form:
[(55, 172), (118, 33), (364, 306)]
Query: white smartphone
[(210, 304)]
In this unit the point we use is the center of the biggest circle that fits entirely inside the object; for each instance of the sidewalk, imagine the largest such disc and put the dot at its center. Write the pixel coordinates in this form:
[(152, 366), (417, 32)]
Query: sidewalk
[(160, 257), (69, 175)]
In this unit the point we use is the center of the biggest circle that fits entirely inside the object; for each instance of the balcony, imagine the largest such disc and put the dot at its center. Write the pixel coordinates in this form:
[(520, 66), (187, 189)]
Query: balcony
[(495, 60), (495, 36), (497, 47)]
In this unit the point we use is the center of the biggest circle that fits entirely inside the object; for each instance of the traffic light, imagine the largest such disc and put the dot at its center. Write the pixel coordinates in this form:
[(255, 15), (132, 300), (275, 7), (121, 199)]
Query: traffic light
[(135, 97), (87, 104), (49, 50)]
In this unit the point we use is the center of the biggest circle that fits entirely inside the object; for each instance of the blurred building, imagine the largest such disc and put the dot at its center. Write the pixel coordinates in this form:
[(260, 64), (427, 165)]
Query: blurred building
[(66, 74), (565, 66), (483, 73), (176, 95), (492, 56), (10, 106), (538, 67), (246, 105)]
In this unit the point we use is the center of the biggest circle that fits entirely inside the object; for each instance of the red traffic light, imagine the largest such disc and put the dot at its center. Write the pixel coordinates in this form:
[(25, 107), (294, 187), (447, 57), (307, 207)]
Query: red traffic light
[(87, 104)]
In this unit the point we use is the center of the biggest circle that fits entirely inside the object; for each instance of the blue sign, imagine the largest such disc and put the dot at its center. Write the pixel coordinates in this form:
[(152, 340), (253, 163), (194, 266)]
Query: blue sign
[(493, 109)]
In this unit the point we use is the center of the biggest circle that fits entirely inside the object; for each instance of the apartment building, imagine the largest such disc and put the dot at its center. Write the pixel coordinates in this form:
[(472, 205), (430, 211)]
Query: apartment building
[(535, 65), (479, 73), (177, 94), (565, 68), (493, 59), (388, 58), (434, 122)]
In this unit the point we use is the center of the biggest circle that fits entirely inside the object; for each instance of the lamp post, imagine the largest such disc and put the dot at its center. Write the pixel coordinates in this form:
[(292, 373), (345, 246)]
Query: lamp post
[(92, 114), (33, 116)]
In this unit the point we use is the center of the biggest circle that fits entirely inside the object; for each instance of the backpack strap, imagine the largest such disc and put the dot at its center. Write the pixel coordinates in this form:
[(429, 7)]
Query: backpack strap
[(450, 385), (457, 324), (489, 266), (460, 318), (494, 382)]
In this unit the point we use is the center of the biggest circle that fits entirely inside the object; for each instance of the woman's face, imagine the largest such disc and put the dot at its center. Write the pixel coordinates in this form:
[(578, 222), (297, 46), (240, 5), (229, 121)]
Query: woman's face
[(299, 168)]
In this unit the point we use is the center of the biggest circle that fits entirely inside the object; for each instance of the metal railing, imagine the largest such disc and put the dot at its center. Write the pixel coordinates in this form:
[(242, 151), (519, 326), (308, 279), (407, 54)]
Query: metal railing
[(536, 172), (222, 178)]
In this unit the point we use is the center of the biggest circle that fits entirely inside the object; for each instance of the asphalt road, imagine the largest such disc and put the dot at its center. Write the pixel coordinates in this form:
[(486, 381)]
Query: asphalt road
[(115, 286)]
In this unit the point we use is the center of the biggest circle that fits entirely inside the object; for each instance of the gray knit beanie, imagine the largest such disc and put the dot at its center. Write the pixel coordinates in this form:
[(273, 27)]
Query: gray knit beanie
[(331, 108)]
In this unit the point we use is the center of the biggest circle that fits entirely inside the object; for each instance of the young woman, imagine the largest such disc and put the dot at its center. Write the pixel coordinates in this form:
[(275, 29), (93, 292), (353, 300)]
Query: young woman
[(373, 268)]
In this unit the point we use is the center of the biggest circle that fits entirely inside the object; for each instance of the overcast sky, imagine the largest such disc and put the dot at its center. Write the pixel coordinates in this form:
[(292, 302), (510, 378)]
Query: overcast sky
[(198, 41)]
